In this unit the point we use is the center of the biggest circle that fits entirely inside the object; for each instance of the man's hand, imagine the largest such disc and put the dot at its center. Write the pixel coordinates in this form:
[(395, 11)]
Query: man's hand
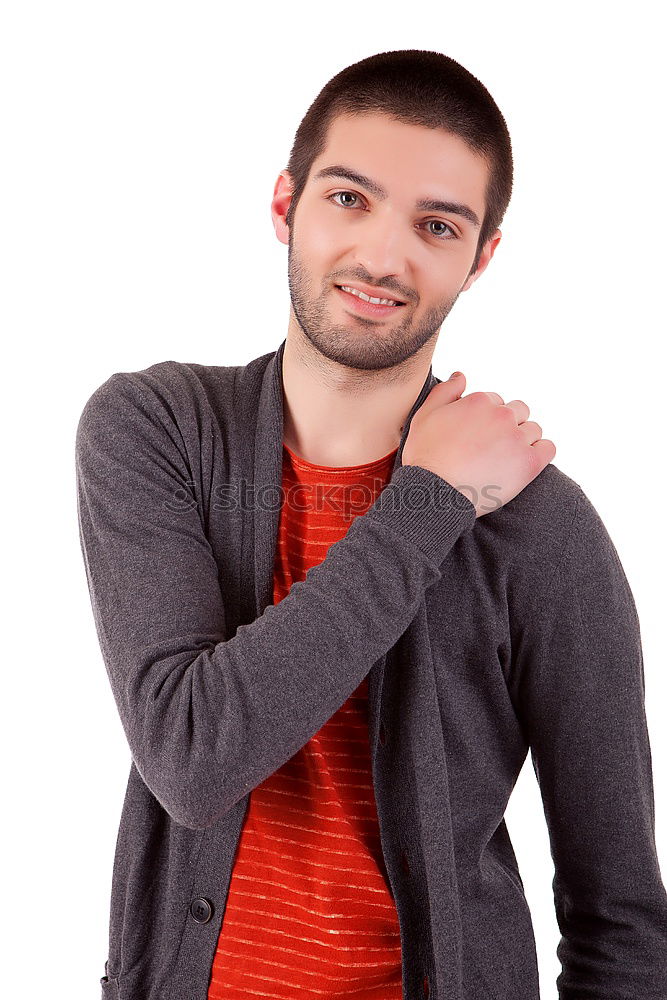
[(477, 443)]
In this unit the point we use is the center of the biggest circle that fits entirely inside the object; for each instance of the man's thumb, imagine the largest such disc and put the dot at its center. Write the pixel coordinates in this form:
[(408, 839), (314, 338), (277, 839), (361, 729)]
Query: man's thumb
[(458, 381), (446, 392)]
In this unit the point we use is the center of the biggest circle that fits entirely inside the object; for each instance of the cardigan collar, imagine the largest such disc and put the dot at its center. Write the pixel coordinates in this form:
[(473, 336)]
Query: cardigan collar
[(268, 467)]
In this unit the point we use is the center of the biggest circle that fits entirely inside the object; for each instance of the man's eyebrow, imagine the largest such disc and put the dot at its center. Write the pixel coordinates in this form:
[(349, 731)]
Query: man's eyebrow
[(424, 204)]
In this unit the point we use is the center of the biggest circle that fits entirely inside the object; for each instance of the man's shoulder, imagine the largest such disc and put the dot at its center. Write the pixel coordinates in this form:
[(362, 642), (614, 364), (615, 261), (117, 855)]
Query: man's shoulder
[(544, 507), (552, 524), (181, 388)]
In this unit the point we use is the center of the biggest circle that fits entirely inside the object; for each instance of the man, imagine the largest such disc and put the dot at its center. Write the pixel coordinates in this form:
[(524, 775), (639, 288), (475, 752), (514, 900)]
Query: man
[(328, 699)]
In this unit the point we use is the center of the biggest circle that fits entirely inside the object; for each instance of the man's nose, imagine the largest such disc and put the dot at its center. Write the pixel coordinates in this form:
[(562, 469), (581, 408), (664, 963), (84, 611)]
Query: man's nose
[(382, 246)]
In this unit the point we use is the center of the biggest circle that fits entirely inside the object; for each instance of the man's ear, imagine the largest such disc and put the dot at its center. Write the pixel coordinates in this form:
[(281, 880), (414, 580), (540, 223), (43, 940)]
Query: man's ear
[(487, 253), (282, 196)]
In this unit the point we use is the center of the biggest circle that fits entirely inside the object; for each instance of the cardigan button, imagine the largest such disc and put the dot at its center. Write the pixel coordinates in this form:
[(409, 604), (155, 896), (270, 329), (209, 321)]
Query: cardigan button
[(383, 734), (201, 910), (404, 863), (426, 986)]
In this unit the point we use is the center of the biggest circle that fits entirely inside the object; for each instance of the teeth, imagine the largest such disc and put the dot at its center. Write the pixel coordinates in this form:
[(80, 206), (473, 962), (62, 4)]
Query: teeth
[(368, 298)]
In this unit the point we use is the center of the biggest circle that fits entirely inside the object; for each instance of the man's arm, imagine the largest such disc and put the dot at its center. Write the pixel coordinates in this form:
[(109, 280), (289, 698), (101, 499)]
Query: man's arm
[(578, 684), (207, 717)]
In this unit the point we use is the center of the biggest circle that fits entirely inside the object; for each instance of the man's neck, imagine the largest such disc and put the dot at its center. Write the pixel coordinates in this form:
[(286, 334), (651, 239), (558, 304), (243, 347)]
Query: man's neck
[(337, 417)]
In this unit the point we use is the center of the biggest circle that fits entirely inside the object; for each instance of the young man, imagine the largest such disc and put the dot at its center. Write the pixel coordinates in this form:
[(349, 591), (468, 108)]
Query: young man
[(339, 602)]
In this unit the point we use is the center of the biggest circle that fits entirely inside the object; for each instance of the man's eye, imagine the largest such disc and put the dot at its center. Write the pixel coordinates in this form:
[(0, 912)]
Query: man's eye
[(439, 222), (350, 194), (431, 222)]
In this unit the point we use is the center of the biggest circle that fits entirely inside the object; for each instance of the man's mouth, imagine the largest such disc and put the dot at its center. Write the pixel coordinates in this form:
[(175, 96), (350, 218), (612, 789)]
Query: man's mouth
[(364, 305), (374, 300)]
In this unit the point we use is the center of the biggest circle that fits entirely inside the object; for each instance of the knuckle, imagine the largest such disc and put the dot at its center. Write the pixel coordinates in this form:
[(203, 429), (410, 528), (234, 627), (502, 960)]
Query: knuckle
[(479, 398), (505, 416)]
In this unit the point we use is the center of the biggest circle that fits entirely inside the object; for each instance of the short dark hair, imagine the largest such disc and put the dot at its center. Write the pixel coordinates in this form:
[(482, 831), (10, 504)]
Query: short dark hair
[(416, 87)]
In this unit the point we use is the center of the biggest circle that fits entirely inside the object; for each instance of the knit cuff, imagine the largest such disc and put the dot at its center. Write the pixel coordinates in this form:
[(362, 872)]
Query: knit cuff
[(423, 507)]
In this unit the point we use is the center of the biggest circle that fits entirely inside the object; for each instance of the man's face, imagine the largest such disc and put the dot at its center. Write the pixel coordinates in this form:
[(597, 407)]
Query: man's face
[(343, 233)]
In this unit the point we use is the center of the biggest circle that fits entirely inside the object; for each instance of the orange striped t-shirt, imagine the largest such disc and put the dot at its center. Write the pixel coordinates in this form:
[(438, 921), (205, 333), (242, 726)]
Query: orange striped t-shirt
[(309, 910)]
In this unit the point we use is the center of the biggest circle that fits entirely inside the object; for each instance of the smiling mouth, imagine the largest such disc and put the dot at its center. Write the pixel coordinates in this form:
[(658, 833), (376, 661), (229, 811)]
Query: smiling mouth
[(383, 305), (361, 309)]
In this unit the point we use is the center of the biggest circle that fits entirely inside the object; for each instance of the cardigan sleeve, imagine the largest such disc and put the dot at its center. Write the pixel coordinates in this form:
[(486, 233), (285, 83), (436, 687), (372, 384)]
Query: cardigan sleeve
[(580, 693), (209, 716)]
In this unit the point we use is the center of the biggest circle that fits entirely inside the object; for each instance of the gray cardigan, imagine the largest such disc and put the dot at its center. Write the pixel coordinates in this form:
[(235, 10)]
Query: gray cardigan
[(484, 639)]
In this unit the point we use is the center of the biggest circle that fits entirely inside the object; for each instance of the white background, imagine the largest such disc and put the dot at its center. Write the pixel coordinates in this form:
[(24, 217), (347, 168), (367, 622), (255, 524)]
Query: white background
[(141, 142)]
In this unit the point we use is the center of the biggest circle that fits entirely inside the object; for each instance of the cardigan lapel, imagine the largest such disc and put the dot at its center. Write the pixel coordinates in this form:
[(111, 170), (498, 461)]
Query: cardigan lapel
[(267, 481)]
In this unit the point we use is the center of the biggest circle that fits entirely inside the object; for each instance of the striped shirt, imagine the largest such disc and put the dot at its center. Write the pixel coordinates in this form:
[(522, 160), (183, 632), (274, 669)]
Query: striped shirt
[(309, 910)]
